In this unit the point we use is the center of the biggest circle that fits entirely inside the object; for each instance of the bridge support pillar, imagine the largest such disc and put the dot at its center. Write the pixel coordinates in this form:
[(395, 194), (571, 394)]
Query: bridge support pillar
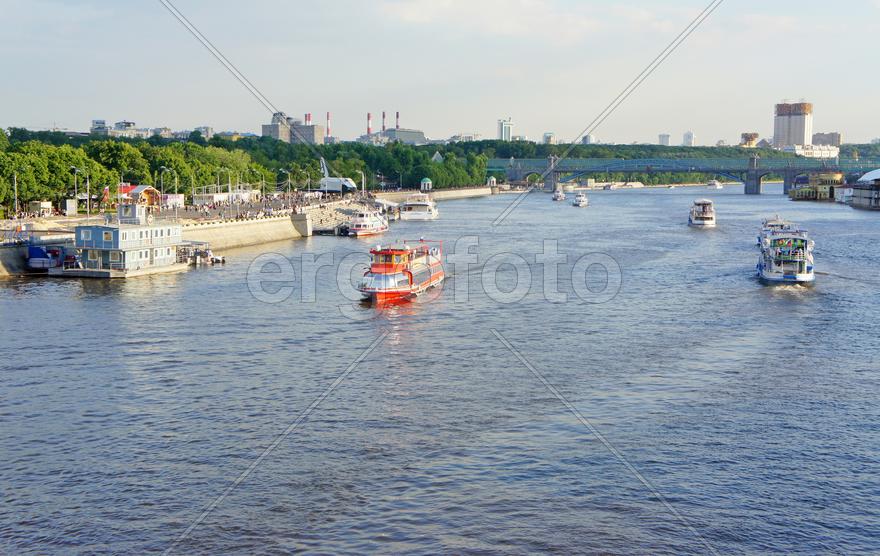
[(753, 183), (787, 182), (551, 181)]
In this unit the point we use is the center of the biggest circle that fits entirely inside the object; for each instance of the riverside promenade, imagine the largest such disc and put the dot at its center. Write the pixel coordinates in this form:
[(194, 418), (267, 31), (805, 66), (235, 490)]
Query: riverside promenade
[(227, 227)]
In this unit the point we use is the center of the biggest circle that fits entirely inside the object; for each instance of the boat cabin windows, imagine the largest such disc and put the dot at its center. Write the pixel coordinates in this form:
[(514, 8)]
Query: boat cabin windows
[(115, 256), (93, 255), (86, 235), (390, 259), (385, 281), (108, 236)]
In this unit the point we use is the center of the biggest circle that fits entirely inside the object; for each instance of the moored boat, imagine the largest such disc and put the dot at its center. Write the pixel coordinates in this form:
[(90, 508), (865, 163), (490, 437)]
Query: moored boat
[(581, 200), (367, 224), (702, 214), (787, 258), (714, 184), (403, 271), (559, 195), (419, 206)]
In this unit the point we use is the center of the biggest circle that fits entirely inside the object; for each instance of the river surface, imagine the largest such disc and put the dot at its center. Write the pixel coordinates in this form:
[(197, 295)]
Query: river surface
[(734, 417)]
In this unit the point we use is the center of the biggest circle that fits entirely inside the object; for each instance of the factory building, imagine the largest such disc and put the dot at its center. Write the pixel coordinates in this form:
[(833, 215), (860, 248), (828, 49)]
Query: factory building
[(291, 130), (391, 135)]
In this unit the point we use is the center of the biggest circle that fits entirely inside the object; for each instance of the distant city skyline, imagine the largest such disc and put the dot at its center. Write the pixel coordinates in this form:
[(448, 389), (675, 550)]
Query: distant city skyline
[(450, 67)]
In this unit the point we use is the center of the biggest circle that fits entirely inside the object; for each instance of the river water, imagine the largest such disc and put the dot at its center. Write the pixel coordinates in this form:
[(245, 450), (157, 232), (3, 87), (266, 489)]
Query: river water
[(127, 408)]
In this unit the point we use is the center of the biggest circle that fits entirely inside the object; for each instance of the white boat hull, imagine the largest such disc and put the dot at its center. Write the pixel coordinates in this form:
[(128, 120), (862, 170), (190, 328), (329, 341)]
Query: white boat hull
[(368, 231), (776, 278), (419, 216), (701, 223)]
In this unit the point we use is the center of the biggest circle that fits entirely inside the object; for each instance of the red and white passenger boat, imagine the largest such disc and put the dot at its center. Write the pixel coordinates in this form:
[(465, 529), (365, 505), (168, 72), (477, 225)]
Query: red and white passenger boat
[(403, 271)]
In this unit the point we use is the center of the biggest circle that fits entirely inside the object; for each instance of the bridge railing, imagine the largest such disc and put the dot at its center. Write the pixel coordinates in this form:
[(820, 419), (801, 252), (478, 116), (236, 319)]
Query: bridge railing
[(702, 165)]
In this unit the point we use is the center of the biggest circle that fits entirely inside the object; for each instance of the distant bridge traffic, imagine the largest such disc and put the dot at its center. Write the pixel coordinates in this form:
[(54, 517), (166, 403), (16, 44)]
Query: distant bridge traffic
[(750, 171)]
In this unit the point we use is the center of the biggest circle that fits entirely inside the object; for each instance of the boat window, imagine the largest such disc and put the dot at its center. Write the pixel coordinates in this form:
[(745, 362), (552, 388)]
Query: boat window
[(93, 255), (114, 256), (86, 235), (108, 236)]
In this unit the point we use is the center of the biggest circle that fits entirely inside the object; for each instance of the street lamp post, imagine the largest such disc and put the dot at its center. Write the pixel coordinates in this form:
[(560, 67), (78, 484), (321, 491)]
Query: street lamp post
[(15, 186), (75, 192), (288, 185), (162, 171)]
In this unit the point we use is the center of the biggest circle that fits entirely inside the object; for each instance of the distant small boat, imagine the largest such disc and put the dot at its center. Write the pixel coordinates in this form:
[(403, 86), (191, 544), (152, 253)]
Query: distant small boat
[(670, 187), (714, 184), (581, 200), (558, 195), (702, 214)]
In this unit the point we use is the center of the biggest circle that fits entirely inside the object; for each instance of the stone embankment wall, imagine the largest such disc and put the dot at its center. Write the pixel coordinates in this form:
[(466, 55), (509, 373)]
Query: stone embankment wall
[(438, 194), (12, 260), (254, 231)]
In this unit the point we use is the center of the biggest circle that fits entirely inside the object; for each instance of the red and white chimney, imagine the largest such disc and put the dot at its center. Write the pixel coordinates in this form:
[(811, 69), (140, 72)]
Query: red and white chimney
[(383, 121), (369, 124), (328, 125), (397, 121)]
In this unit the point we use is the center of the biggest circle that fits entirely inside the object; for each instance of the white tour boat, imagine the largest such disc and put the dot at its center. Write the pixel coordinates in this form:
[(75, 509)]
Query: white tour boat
[(702, 214), (714, 184), (787, 258), (367, 224), (580, 200), (419, 206), (559, 195), (772, 226)]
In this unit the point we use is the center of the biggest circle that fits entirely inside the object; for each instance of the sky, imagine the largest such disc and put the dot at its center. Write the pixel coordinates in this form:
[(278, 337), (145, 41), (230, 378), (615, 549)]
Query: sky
[(449, 66)]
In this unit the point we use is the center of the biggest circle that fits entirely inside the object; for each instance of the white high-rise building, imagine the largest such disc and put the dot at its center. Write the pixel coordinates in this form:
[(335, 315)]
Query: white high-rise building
[(664, 139), (589, 139), (689, 139), (793, 124), (549, 138), (505, 129)]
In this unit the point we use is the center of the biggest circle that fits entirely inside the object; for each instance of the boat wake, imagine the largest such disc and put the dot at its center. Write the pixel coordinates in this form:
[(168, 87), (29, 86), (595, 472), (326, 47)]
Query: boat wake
[(842, 277)]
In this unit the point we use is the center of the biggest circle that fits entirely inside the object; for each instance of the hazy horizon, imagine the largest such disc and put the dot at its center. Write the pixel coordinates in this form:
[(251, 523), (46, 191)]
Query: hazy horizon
[(448, 66)]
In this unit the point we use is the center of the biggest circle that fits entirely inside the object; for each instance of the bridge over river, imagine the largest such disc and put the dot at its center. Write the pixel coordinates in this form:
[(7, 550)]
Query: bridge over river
[(750, 171)]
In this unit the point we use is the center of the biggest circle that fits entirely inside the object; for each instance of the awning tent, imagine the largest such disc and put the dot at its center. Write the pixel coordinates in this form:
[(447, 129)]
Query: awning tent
[(870, 177)]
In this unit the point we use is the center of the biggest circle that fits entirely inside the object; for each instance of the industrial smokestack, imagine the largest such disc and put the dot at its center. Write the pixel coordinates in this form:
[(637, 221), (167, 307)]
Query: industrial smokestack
[(397, 121), (328, 125), (369, 124), (383, 121)]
